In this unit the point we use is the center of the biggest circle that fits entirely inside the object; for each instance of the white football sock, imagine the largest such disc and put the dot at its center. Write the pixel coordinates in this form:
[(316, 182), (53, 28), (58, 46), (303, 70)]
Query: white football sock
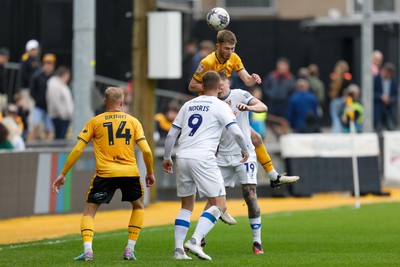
[(206, 223), (255, 224), (131, 245), (182, 223), (87, 246), (273, 175)]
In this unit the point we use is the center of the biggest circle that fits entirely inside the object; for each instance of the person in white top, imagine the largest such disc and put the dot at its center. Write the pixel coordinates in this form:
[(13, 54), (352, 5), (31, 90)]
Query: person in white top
[(60, 105), (200, 123)]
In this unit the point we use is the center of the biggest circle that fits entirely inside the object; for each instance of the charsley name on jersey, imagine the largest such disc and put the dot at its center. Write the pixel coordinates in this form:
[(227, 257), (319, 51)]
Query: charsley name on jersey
[(115, 116)]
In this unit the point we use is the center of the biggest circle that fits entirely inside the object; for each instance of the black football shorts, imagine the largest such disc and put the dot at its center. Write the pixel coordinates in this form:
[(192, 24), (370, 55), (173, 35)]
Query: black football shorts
[(102, 190)]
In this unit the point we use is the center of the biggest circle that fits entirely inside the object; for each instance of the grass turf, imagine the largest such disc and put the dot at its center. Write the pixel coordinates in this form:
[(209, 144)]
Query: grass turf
[(341, 236)]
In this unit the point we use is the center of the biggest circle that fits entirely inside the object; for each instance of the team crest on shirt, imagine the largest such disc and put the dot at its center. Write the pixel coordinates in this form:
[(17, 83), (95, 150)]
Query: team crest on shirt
[(200, 68), (229, 102), (247, 95)]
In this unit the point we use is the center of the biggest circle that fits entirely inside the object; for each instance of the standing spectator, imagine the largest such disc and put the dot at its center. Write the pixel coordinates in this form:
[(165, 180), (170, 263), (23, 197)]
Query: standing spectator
[(38, 90), (340, 79), (4, 143), (385, 98), (352, 109), (278, 86), (190, 49), (206, 47), (377, 59), (22, 113), (4, 56), (316, 84), (301, 103), (14, 133), (30, 63), (60, 105)]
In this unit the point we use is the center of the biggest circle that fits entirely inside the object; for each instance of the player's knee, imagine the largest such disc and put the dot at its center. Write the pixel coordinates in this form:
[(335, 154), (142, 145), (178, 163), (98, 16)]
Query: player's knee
[(256, 139)]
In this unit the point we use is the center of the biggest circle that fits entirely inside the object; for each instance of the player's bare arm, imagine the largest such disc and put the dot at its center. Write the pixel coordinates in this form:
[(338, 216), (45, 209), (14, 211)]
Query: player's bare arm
[(195, 86), (254, 105), (249, 80)]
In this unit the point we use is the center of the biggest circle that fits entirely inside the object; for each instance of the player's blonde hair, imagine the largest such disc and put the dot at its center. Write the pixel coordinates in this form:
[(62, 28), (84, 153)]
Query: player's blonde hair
[(114, 95), (226, 36), (211, 80)]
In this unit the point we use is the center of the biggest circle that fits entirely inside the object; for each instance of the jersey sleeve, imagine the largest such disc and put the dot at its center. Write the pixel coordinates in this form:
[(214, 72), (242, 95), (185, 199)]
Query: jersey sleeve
[(139, 133), (237, 63), (179, 118), (87, 132), (245, 97), (201, 69)]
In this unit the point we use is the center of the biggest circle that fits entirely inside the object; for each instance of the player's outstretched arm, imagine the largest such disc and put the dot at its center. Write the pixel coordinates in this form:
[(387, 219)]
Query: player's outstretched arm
[(173, 133), (72, 158), (249, 80), (195, 86), (147, 157)]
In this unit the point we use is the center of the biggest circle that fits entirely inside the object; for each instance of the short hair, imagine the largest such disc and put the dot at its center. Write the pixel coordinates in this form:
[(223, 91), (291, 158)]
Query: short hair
[(389, 66), (223, 75), (284, 60), (114, 95), (4, 52), (226, 36), (62, 70), (352, 90), (211, 80), (207, 45)]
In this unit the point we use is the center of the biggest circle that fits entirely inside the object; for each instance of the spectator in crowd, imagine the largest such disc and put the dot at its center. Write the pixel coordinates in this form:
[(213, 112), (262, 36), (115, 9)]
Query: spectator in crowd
[(385, 98), (22, 113), (12, 112), (4, 142), (30, 62), (258, 121), (352, 109), (38, 90), (60, 105), (277, 87), (14, 133), (311, 124), (190, 49), (206, 47), (164, 122), (4, 56), (316, 84), (377, 59), (301, 103), (340, 79), (303, 73)]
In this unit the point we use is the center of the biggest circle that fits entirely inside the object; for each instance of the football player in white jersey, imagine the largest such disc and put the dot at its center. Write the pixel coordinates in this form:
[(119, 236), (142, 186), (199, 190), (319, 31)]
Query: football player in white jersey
[(200, 123)]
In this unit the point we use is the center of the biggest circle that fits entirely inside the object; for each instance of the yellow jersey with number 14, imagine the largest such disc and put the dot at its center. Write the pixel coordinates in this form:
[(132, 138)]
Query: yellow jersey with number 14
[(211, 62), (114, 135)]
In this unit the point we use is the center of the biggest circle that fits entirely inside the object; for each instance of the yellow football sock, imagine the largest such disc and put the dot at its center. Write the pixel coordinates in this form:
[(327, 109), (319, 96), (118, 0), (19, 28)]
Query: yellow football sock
[(135, 224), (87, 228), (264, 158)]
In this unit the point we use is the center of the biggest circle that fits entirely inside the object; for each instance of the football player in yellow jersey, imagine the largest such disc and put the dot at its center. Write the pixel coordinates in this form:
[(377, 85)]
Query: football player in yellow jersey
[(114, 134), (225, 59)]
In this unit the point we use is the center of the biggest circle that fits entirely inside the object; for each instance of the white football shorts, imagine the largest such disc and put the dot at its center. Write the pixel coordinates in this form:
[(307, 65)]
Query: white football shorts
[(232, 170), (205, 176)]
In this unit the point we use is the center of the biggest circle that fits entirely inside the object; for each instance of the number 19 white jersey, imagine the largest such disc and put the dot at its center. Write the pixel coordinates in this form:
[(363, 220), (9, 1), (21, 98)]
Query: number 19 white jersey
[(228, 145), (202, 121)]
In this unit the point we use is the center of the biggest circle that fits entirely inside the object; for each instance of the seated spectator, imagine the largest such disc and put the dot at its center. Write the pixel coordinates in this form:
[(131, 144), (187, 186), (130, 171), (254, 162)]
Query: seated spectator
[(352, 109), (22, 113), (14, 133), (164, 122), (301, 103), (4, 142)]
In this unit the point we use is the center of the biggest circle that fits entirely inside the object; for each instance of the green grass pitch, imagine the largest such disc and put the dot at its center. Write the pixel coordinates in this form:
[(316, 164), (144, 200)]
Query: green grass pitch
[(341, 236)]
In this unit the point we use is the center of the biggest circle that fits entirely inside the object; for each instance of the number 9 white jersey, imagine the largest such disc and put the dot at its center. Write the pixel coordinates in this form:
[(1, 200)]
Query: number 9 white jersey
[(202, 121)]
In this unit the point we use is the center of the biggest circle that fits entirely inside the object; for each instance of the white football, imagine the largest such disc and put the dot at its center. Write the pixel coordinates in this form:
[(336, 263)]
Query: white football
[(218, 18)]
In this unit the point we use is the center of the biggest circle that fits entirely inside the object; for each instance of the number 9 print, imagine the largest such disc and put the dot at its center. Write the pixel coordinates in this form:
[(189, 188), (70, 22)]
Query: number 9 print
[(194, 123)]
